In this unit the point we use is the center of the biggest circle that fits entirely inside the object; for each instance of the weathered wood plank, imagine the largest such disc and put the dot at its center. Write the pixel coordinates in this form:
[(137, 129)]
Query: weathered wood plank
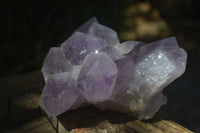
[(93, 120), (19, 109), (24, 107), (40, 125), (158, 126), (104, 127), (136, 126), (24, 97), (61, 128), (19, 97)]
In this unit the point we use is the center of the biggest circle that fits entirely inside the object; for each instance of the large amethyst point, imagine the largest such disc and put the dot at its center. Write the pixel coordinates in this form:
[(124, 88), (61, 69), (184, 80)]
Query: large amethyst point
[(97, 77), (79, 45), (59, 94), (55, 62)]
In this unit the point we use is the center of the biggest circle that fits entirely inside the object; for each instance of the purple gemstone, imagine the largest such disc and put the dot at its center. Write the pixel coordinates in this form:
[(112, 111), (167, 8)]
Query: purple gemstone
[(156, 68), (112, 52), (55, 62), (85, 27), (92, 67), (108, 35), (79, 45), (125, 75), (126, 47), (59, 94), (97, 77), (79, 101)]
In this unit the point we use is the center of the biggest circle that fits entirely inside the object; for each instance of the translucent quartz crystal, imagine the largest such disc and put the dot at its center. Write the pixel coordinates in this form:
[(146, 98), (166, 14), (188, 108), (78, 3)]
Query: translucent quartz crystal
[(79, 45), (108, 35), (126, 47), (97, 77), (85, 27), (126, 71), (55, 62), (56, 96), (93, 67), (113, 53)]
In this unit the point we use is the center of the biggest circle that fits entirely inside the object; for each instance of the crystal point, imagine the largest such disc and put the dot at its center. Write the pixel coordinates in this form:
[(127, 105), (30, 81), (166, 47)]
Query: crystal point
[(108, 35), (79, 45), (59, 94), (126, 47), (92, 67), (55, 62), (85, 27), (97, 77)]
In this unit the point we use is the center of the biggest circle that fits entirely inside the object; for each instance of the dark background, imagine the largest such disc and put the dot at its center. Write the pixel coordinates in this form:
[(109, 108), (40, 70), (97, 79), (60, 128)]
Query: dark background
[(28, 28)]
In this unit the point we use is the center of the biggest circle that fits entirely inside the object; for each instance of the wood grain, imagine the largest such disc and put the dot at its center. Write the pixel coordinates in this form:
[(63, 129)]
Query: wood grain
[(93, 120), (160, 126), (39, 125)]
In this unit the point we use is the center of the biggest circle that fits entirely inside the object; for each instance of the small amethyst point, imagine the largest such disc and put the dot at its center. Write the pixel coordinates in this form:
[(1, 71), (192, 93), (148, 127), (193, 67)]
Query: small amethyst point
[(108, 35)]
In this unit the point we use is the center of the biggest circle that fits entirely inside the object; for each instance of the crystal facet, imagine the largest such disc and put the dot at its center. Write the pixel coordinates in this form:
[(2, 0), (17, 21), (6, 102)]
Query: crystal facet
[(108, 35), (97, 77), (79, 45), (93, 67), (56, 96), (55, 62), (85, 27)]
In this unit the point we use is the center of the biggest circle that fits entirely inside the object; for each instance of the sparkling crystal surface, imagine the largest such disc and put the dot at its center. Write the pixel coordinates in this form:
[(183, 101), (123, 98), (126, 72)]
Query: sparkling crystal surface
[(92, 67)]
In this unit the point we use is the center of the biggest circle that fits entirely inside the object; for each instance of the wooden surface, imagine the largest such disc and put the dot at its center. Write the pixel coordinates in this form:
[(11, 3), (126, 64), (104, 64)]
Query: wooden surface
[(19, 97), (93, 120), (39, 125), (159, 126)]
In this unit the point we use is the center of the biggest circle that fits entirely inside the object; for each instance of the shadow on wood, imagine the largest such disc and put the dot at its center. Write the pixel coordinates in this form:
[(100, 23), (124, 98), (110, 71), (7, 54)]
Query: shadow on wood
[(90, 116)]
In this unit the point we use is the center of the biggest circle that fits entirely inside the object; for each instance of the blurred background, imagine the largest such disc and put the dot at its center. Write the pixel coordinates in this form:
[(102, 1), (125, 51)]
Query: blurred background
[(28, 28)]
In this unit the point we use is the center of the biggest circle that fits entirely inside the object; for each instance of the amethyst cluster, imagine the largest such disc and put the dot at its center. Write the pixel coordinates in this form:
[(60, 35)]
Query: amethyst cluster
[(93, 67)]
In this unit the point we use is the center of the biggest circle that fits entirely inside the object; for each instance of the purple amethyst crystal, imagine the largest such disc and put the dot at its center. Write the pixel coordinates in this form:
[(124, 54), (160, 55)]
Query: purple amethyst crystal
[(52, 65), (97, 77), (86, 26), (93, 67), (56, 96), (79, 45)]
